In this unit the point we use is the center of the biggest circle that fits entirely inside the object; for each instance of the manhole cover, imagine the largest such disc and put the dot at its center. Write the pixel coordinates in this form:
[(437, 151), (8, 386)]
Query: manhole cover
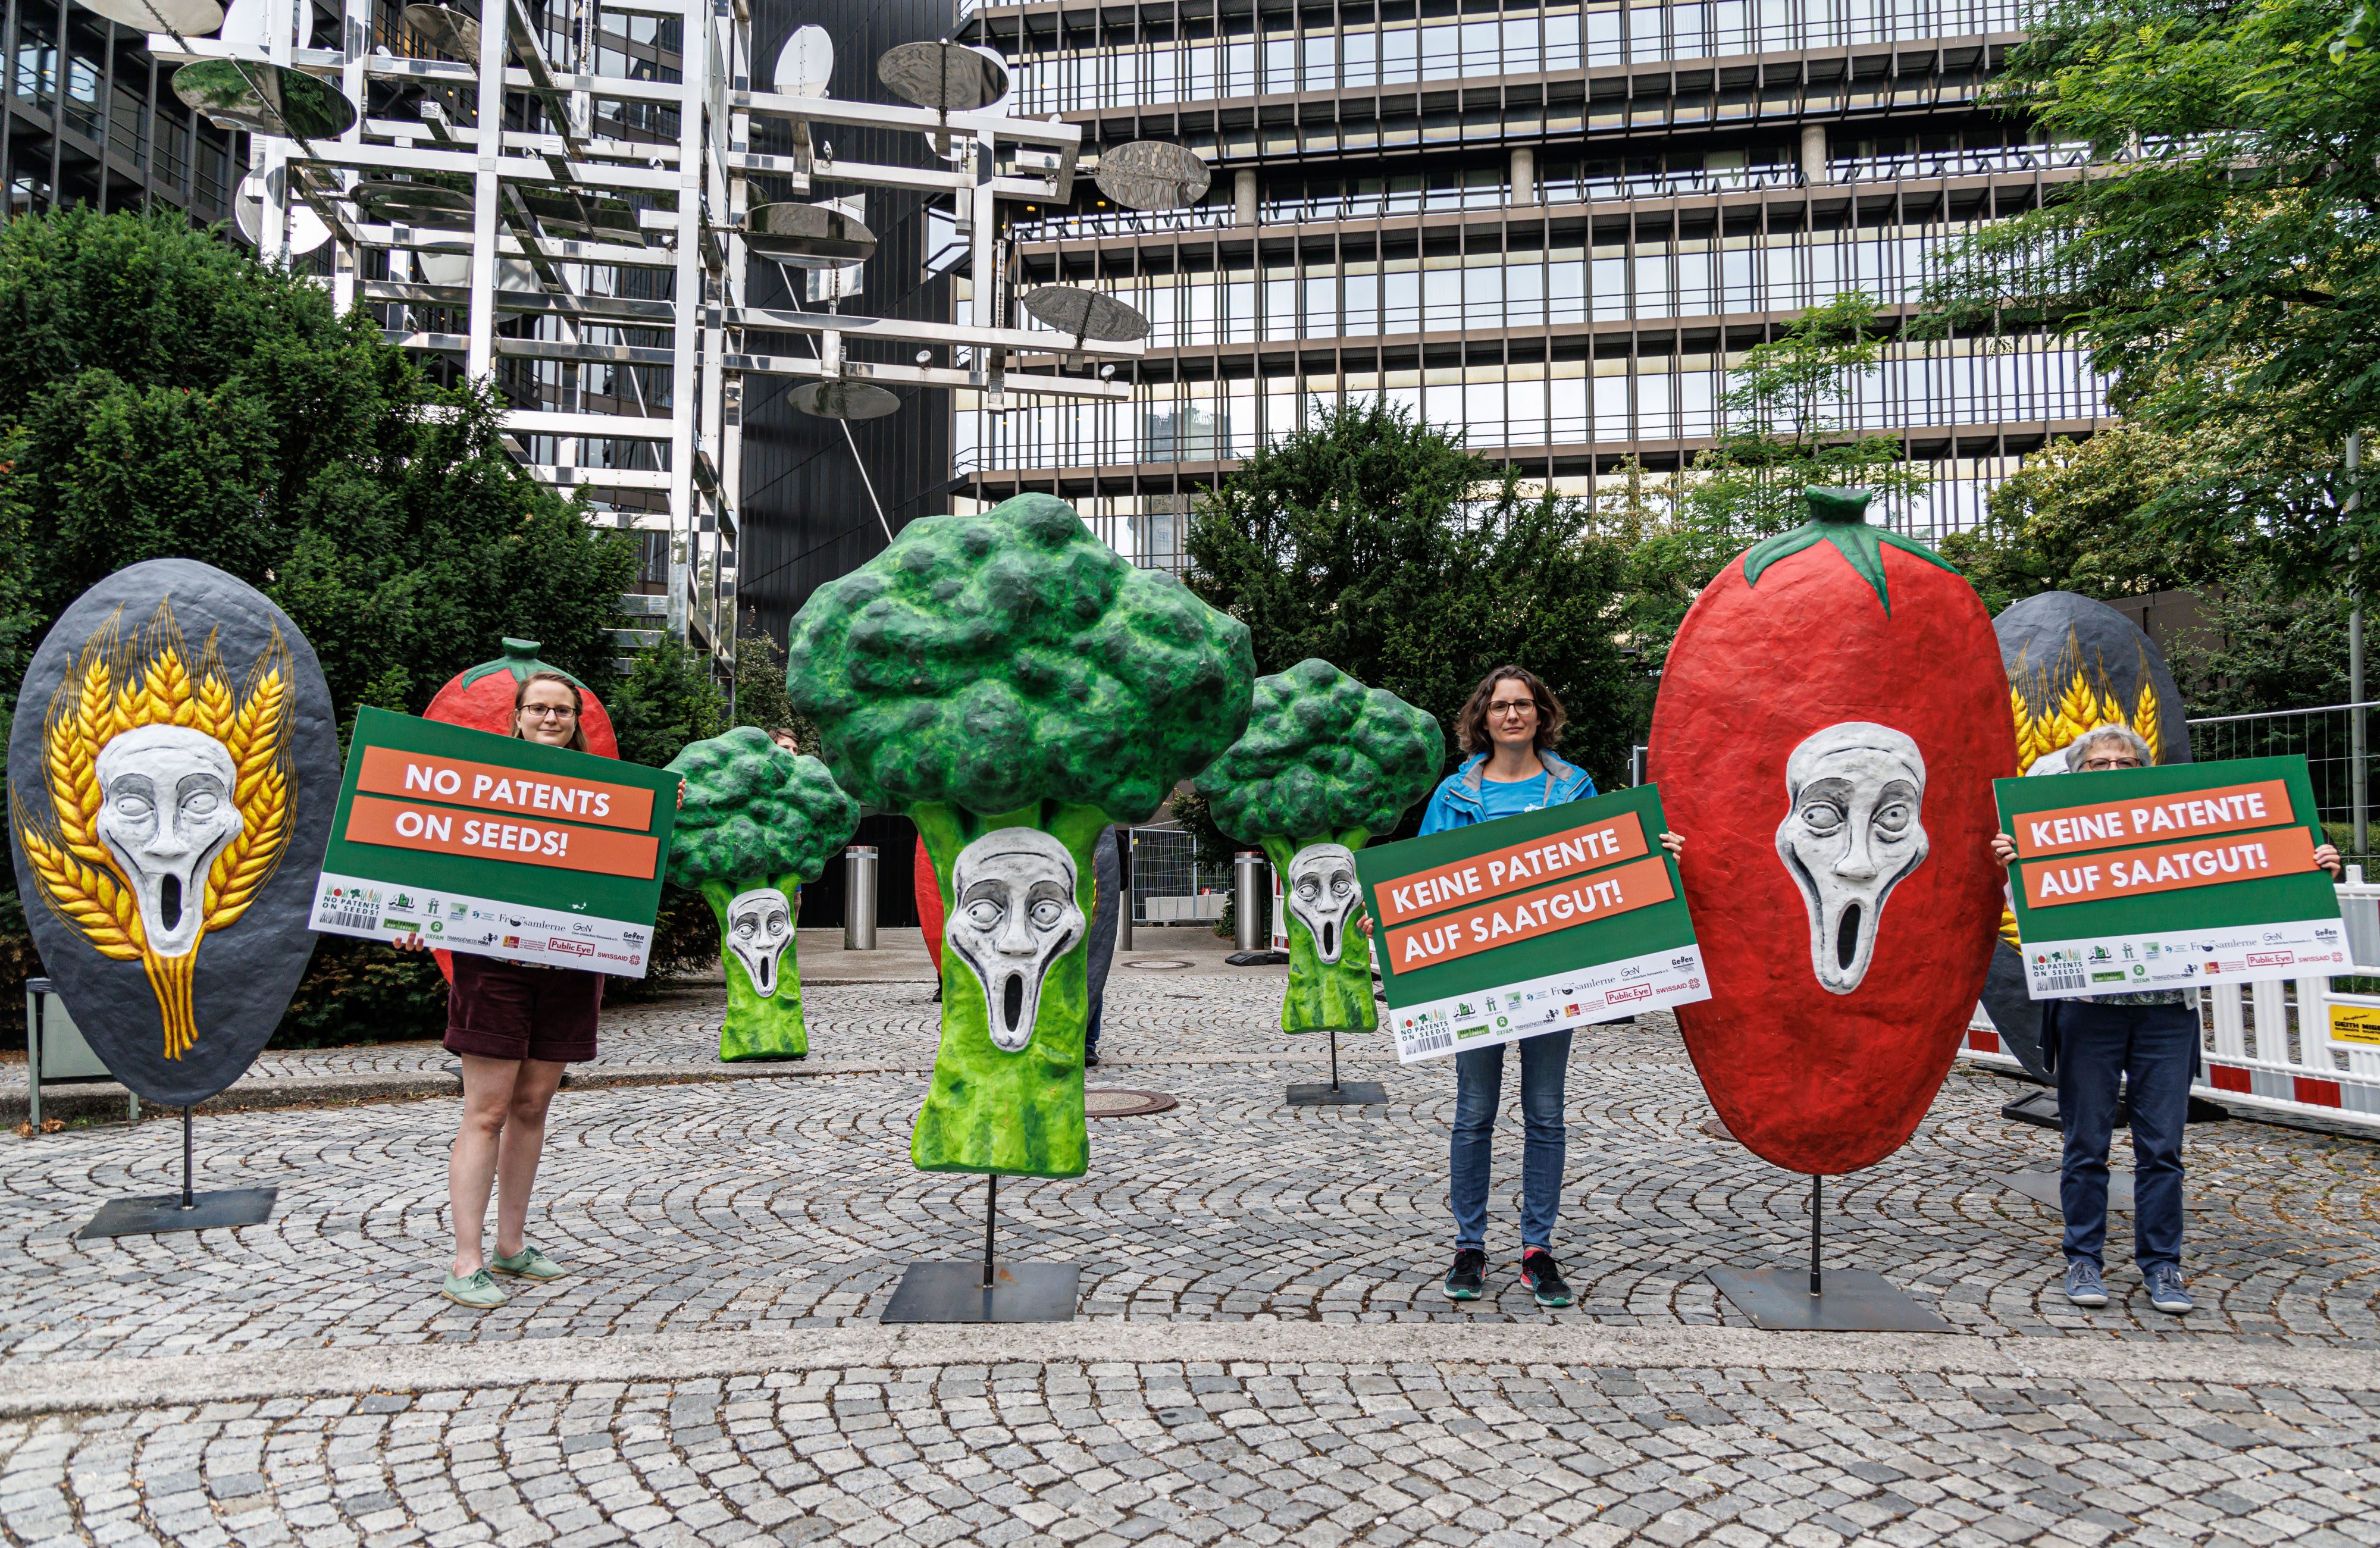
[(1116, 1103), (1159, 963)]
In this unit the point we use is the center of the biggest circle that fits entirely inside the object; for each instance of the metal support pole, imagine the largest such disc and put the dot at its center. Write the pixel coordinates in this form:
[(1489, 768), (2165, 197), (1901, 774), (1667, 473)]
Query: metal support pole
[(190, 1201), (1334, 1059), (2359, 789), (1817, 1207), (1124, 903), (990, 1212)]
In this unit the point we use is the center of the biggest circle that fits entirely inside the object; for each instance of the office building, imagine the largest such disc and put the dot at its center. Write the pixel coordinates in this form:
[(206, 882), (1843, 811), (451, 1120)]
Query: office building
[(1554, 226)]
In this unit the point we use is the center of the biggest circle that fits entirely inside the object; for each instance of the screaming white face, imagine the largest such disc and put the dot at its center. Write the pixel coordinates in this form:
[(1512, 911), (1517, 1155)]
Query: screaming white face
[(1013, 915), (166, 812), (1323, 893), (759, 927), (1851, 834)]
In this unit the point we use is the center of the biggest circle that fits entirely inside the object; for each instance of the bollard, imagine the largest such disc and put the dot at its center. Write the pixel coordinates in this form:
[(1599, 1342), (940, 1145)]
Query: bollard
[(1124, 904), (1248, 899), (859, 898)]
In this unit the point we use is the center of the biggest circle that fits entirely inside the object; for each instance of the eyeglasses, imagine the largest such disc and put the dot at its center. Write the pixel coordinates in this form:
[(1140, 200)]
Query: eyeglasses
[(548, 711), (1511, 706), (2100, 765)]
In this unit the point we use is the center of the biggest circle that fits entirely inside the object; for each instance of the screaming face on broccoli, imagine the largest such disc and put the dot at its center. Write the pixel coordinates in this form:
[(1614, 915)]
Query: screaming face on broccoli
[(1326, 764), (1012, 686), (758, 822)]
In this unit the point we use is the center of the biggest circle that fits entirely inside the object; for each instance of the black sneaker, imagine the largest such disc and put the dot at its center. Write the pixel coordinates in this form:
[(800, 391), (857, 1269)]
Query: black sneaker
[(1468, 1276), (1539, 1272), (1090, 1058)]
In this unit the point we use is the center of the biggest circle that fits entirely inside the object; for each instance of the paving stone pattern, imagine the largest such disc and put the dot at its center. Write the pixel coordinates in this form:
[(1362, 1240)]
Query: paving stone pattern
[(769, 1204), (1169, 1454)]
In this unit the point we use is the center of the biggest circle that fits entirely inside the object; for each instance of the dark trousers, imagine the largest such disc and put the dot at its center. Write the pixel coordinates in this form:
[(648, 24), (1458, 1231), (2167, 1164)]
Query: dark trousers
[(1478, 1088), (2154, 1049)]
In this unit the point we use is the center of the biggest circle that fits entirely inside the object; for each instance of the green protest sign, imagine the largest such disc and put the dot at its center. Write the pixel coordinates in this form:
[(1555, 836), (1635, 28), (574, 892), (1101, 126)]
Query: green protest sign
[(495, 846), (2164, 878), (1504, 929)]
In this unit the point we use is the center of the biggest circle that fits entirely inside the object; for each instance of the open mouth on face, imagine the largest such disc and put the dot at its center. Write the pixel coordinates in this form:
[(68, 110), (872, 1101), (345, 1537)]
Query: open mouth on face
[(1330, 937), (1847, 938), (169, 903), (764, 975), (1012, 1001)]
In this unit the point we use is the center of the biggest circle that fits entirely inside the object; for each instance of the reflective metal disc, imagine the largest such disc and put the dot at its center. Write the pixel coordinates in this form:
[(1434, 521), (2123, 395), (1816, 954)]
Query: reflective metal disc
[(413, 204), (193, 18), (1153, 175), (947, 77), (243, 26), (1086, 314), (805, 64), (265, 99), (809, 235), (306, 229), (448, 31), (844, 400), (588, 215)]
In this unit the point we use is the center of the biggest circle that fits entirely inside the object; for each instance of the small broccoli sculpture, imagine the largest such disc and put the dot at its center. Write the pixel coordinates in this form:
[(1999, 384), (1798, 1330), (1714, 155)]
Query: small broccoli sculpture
[(1326, 764), (758, 822), (1012, 686)]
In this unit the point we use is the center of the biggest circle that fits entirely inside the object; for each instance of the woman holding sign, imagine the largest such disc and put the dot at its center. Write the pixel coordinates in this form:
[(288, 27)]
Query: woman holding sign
[(516, 1026), (2146, 1045), (1508, 729)]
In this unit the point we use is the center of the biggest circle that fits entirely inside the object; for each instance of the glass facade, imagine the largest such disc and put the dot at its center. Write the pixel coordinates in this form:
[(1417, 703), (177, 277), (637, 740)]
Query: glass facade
[(1499, 219)]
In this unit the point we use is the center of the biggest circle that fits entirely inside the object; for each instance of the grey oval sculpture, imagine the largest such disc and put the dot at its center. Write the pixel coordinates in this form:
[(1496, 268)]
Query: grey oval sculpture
[(2074, 662), (173, 769)]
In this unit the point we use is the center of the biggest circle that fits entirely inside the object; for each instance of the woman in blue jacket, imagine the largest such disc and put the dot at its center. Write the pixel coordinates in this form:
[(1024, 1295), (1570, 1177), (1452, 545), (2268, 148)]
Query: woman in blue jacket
[(1508, 729)]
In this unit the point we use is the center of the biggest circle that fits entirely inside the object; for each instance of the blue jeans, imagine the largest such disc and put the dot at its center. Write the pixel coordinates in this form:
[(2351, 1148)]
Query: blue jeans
[(2154, 1049), (1478, 1084)]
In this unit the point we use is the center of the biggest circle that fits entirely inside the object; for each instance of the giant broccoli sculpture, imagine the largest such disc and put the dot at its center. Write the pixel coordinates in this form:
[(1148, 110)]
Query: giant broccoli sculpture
[(758, 822), (1012, 686), (1326, 764)]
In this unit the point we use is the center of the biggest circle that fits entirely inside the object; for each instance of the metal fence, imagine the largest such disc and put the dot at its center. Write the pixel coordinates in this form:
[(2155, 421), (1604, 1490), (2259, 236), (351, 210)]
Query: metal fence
[(1169, 885), (2333, 740)]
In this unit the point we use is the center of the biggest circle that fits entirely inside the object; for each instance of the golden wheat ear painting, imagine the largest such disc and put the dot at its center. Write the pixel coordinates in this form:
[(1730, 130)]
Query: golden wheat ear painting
[(171, 774)]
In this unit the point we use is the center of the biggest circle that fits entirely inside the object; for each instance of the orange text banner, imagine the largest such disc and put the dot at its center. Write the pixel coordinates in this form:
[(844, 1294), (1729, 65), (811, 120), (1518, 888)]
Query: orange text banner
[(1502, 922), (1531, 863), (444, 830), (491, 787), (2226, 809), (2128, 872)]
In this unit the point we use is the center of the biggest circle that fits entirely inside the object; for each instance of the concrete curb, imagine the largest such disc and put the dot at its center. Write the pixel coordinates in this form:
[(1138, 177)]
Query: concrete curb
[(255, 1375)]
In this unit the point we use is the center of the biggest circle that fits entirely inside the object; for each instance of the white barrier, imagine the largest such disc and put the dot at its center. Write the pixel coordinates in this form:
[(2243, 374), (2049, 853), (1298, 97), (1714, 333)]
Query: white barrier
[(2296, 1045)]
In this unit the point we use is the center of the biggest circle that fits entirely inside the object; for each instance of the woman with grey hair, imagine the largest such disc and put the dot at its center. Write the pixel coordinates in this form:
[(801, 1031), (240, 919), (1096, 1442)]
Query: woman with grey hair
[(2097, 1046)]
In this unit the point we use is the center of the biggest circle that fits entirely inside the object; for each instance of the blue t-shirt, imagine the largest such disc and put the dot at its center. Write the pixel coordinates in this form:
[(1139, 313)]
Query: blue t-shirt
[(1509, 801)]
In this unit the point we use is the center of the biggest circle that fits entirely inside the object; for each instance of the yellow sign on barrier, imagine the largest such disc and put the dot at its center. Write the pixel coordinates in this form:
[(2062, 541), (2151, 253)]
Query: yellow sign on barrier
[(2355, 1024)]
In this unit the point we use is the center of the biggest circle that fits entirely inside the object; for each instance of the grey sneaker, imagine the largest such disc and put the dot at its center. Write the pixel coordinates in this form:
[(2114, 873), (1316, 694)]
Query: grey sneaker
[(2165, 1293), (2083, 1286)]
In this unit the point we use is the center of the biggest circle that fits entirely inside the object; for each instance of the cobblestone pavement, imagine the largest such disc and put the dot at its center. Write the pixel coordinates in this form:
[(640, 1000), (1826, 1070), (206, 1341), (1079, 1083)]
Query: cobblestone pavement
[(776, 1212)]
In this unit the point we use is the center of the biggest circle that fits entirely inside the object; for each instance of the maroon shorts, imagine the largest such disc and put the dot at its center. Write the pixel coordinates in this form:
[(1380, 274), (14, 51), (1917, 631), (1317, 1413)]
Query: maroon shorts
[(500, 1009)]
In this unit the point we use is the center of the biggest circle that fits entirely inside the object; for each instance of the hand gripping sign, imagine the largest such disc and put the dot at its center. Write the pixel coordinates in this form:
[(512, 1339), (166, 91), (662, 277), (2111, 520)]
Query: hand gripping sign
[(1502, 930), (496, 846), (2169, 878)]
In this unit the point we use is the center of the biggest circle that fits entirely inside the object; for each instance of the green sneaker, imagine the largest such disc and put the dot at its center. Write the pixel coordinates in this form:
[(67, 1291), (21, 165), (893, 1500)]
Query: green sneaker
[(528, 1264), (476, 1290)]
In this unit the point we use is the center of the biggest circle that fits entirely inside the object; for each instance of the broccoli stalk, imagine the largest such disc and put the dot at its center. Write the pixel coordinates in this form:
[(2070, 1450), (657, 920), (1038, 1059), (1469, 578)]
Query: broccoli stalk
[(1325, 761), (1009, 672), (758, 822)]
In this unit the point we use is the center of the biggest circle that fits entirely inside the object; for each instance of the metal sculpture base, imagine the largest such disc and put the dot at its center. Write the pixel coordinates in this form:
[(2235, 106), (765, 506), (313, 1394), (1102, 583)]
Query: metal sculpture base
[(1338, 1093), (986, 1291), (185, 1211), (2041, 1186), (1848, 1301)]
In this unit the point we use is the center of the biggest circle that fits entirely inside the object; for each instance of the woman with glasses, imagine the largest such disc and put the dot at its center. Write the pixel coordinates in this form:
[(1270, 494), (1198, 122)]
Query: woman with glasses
[(2145, 1046), (515, 1026), (1508, 729)]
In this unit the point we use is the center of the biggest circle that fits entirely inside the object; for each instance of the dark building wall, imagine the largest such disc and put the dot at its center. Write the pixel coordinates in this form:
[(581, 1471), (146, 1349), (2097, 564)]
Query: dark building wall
[(807, 514)]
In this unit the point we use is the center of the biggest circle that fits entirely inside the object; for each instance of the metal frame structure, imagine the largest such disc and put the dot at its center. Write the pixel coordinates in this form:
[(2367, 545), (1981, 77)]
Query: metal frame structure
[(622, 349)]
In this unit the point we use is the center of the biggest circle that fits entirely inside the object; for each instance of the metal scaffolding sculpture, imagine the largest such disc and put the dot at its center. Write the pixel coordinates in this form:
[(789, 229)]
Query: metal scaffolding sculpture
[(585, 248)]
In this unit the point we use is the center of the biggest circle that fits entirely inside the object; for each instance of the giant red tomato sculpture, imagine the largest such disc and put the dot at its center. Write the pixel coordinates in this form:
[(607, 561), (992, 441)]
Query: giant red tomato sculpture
[(481, 698), (1830, 721)]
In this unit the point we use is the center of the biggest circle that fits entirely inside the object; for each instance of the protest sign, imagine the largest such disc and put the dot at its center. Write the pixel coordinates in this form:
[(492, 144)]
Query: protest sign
[(495, 846), (2169, 877), (1505, 929)]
